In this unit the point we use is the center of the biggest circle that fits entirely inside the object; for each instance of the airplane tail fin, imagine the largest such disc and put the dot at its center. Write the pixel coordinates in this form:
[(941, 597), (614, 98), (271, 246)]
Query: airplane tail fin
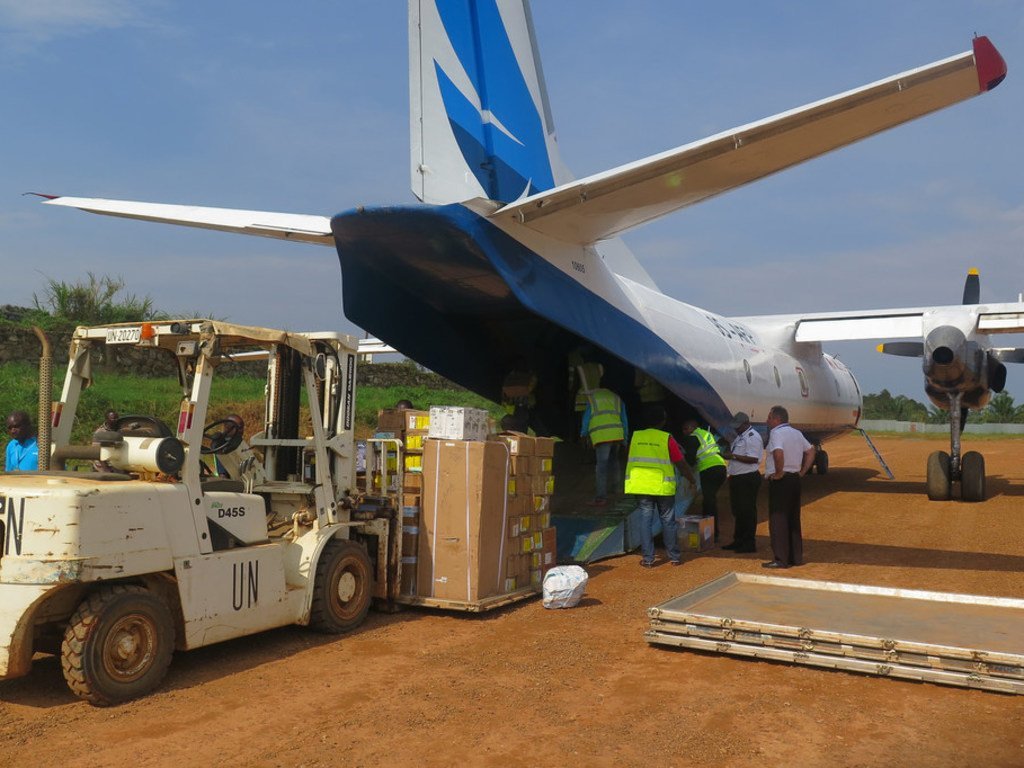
[(478, 106)]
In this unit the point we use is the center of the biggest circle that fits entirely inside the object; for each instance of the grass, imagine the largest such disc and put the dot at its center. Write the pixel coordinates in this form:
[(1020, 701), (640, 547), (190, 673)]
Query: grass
[(160, 397)]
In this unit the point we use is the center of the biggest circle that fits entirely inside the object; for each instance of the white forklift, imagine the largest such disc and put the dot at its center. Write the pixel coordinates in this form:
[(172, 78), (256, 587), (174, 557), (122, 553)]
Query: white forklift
[(152, 548)]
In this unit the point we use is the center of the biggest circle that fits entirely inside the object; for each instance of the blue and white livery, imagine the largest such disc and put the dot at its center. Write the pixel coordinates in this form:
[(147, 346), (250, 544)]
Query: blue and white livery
[(508, 256)]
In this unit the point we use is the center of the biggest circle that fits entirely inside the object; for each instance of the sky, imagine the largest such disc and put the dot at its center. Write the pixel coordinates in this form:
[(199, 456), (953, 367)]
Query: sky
[(303, 108)]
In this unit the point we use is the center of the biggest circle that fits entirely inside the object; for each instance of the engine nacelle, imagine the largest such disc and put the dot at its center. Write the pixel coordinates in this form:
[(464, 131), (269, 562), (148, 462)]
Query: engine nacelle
[(952, 365)]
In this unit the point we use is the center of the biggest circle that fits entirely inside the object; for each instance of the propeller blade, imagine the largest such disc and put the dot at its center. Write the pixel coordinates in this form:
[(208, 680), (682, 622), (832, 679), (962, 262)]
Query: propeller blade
[(972, 287), (902, 348)]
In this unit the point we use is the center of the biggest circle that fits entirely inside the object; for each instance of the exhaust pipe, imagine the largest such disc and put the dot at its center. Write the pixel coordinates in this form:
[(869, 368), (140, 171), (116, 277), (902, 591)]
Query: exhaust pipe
[(45, 420)]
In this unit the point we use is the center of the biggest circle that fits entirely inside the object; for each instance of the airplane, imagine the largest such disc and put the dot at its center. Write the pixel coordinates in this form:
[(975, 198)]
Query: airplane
[(508, 257)]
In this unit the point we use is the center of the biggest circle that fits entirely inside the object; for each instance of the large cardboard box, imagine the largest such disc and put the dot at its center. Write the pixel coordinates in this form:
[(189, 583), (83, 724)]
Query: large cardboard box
[(696, 533), (416, 420), (391, 420), (463, 539)]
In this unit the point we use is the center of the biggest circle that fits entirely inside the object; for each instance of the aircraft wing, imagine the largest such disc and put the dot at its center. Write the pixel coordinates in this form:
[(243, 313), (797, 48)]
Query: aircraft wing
[(609, 203), (283, 226), (902, 323)]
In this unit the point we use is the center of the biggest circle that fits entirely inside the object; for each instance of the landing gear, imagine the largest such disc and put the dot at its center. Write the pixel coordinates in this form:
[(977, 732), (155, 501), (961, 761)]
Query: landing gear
[(944, 469), (940, 480)]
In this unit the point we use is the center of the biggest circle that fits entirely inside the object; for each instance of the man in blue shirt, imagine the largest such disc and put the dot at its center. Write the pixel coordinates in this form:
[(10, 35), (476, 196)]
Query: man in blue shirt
[(22, 450)]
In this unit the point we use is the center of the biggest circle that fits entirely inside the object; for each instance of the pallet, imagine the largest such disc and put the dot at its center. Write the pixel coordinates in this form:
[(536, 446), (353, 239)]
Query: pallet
[(469, 606)]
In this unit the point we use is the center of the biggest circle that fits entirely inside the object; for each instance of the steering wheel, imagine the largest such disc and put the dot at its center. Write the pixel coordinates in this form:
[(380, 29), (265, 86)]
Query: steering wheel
[(214, 441), (142, 426)]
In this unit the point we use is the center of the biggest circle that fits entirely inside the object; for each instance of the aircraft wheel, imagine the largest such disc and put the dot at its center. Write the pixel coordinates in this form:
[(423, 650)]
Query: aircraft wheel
[(938, 476), (972, 476), (343, 587), (821, 463), (117, 645)]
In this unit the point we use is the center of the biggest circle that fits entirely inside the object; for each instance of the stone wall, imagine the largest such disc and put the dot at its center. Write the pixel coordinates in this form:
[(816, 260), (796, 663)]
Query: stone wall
[(19, 344)]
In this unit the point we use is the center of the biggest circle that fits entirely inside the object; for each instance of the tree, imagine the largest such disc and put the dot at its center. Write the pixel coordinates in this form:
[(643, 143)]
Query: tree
[(93, 301), (899, 408), (1001, 410)]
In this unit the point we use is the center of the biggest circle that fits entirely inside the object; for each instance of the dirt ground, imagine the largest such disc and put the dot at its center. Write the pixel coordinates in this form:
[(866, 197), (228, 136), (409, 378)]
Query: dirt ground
[(526, 686)]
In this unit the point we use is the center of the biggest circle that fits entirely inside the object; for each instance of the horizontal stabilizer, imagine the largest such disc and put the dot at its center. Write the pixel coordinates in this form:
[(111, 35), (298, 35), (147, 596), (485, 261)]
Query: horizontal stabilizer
[(1008, 354), (282, 226), (902, 348), (609, 203)]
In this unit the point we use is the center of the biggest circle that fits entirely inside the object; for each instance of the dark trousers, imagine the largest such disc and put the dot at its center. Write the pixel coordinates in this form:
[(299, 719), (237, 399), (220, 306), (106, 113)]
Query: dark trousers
[(743, 502), (784, 519), (711, 479)]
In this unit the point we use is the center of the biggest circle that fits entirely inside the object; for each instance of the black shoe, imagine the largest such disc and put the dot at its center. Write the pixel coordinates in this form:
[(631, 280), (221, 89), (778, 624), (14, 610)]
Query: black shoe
[(676, 562), (744, 550), (774, 564), (734, 545), (646, 564), (796, 565)]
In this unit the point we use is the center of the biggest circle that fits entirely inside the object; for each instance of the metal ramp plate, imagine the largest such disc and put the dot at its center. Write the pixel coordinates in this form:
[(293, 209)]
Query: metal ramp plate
[(954, 639)]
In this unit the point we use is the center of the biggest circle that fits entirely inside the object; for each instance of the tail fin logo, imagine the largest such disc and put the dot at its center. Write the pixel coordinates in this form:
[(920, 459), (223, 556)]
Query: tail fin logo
[(502, 140)]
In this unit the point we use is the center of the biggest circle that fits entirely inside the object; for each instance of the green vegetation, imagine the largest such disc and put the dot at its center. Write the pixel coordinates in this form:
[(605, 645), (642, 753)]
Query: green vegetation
[(160, 397), (883, 405), (91, 301)]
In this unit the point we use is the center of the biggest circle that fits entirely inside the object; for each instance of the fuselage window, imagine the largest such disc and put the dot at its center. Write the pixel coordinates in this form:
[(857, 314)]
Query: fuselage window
[(746, 370), (804, 389)]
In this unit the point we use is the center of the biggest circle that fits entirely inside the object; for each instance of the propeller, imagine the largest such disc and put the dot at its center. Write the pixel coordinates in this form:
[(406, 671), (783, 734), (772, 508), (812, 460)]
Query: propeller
[(972, 287), (902, 348)]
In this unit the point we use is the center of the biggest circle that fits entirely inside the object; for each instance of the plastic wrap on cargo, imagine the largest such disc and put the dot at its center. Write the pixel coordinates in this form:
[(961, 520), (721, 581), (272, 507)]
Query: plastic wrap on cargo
[(564, 585)]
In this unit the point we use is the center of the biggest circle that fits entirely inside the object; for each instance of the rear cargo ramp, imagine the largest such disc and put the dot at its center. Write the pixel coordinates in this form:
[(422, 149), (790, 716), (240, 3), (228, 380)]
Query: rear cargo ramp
[(966, 640)]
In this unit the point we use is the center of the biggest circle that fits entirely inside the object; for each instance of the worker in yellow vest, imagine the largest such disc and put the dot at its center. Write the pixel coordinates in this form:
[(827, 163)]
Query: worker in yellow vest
[(606, 426), (650, 475), (703, 452)]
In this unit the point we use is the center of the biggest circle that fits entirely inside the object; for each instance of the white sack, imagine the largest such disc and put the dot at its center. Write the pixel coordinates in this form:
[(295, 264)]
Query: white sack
[(564, 585)]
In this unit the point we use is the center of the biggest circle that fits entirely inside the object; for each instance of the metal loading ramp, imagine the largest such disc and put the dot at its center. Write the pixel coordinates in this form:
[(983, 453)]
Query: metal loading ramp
[(965, 640)]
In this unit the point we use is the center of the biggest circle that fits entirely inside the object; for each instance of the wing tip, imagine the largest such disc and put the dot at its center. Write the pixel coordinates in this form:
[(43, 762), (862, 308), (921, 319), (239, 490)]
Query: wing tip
[(40, 194), (989, 63)]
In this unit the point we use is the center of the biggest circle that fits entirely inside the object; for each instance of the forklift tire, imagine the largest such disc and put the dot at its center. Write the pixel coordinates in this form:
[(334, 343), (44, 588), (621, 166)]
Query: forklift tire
[(343, 588), (117, 645)]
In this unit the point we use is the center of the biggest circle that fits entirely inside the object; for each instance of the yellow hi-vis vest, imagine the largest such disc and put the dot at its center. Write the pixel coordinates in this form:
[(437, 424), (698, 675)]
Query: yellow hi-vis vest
[(708, 454), (649, 471), (589, 375), (605, 417)]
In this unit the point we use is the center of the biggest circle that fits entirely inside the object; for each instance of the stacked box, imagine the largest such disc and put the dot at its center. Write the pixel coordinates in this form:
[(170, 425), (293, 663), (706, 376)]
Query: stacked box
[(696, 533), (410, 542), (456, 423), (464, 523), (411, 428), (485, 527)]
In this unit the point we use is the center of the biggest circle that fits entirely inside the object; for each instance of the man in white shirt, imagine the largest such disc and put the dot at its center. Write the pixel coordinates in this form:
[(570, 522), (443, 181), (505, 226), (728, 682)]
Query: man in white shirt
[(744, 455), (790, 456)]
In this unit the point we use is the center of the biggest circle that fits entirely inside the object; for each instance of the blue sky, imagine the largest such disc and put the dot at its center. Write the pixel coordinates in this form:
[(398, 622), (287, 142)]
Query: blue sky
[(302, 108)]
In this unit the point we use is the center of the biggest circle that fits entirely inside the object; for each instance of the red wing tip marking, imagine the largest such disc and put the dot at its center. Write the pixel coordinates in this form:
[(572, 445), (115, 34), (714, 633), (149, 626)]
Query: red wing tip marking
[(40, 194), (990, 64)]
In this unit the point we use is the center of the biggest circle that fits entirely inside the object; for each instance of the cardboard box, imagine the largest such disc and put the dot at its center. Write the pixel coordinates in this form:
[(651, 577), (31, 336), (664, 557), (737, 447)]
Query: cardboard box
[(543, 485), (544, 446), (518, 443), (463, 525), (416, 420), (413, 462), (414, 439), (542, 465), (412, 482), (391, 420), (521, 466), (696, 533), (448, 422)]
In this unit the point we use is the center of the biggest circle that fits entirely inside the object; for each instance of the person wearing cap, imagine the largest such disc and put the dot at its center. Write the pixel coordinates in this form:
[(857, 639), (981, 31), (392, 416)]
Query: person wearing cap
[(744, 455)]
